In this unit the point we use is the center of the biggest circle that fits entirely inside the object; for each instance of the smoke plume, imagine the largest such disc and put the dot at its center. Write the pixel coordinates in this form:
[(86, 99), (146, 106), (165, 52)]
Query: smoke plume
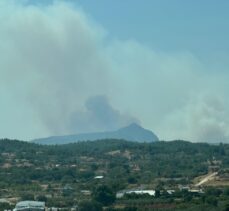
[(59, 67)]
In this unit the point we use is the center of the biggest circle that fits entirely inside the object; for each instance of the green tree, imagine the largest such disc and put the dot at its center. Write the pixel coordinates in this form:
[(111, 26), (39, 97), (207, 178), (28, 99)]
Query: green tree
[(41, 198), (27, 196), (4, 206), (104, 195), (212, 200), (226, 207), (157, 193), (90, 206)]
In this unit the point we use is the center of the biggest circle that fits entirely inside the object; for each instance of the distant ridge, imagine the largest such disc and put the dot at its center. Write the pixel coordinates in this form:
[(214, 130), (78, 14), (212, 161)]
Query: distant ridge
[(133, 132)]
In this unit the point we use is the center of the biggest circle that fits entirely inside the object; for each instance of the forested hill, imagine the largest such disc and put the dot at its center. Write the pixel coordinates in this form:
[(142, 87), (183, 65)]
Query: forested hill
[(158, 159), (132, 132)]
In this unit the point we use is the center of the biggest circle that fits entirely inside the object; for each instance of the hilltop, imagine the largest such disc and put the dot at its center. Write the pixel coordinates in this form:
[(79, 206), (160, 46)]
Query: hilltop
[(133, 132)]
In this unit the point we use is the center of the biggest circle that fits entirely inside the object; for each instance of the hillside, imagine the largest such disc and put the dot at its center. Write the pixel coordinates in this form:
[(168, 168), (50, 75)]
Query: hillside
[(113, 158), (132, 132), (66, 174)]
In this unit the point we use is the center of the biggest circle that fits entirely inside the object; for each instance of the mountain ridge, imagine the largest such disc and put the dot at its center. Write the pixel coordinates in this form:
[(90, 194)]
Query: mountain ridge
[(132, 132)]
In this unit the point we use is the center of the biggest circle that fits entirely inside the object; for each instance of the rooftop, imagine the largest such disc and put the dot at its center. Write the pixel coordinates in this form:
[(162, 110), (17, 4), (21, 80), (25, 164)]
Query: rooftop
[(30, 204)]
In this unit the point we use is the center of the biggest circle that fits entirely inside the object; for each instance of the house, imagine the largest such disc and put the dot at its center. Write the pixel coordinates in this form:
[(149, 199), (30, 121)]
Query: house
[(120, 194)]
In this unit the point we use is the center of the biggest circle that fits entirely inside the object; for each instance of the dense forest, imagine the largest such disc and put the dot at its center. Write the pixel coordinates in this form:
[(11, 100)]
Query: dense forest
[(91, 173)]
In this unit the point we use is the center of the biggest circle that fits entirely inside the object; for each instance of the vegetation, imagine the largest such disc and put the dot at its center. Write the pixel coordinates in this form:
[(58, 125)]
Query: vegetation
[(65, 175)]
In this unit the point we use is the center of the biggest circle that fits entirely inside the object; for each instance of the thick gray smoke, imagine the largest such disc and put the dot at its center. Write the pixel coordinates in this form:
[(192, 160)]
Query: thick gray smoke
[(53, 60), (203, 119), (59, 68), (99, 116)]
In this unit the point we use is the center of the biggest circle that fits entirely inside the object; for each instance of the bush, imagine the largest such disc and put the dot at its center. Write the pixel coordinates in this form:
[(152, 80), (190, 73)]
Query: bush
[(90, 206), (27, 196)]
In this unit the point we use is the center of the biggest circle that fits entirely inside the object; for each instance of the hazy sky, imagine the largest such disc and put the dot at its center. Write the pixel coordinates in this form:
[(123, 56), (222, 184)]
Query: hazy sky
[(82, 66)]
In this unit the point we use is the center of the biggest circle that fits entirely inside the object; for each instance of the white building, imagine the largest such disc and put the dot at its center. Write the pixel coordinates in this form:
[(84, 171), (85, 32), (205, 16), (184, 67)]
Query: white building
[(30, 206), (140, 192)]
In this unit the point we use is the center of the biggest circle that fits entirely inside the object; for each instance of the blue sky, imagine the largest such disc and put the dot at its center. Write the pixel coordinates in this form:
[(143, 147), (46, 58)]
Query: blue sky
[(171, 25), (163, 64)]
